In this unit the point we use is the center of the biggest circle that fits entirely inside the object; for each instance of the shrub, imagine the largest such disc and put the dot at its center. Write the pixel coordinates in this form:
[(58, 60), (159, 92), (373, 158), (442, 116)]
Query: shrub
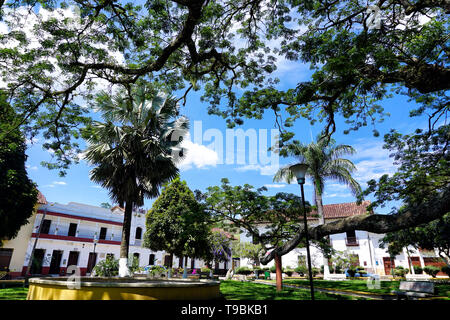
[(418, 270), (157, 270), (301, 270), (133, 263), (107, 268), (446, 270), (431, 270), (205, 270), (337, 269), (289, 272), (351, 271), (400, 271), (243, 270), (315, 271)]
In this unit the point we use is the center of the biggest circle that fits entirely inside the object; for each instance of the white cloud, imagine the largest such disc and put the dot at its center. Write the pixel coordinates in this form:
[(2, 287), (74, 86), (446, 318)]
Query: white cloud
[(275, 185), (31, 167), (56, 183), (337, 195), (197, 156)]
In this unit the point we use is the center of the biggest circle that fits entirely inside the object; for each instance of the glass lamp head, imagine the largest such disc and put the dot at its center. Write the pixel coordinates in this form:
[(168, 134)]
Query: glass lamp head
[(299, 171)]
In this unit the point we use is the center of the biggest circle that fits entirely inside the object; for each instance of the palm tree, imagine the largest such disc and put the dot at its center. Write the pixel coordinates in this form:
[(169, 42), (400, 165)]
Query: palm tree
[(324, 163), (135, 150)]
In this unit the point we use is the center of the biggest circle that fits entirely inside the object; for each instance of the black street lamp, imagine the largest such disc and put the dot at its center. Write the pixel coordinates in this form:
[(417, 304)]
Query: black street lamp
[(299, 171)]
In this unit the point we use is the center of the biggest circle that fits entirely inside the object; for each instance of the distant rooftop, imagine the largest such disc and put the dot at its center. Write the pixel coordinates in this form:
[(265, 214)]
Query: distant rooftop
[(41, 199), (342, 210)]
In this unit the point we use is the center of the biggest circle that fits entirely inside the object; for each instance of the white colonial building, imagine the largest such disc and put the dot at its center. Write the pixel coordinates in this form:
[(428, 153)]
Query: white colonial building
[(80, 235), (365, 246)]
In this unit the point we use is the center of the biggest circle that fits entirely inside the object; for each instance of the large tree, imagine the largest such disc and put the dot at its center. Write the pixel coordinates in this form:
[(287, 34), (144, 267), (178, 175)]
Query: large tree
[(268, 220), (221, 46), (135, 150), (18, 194), (178, 224), (325, 162)]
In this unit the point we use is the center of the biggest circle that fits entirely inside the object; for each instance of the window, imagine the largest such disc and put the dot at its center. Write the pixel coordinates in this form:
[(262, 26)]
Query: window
[(151, 259), (102, 233), (72, 230), (351, 238), (46, 226), (136, 256), (138, 233), (351, 234)]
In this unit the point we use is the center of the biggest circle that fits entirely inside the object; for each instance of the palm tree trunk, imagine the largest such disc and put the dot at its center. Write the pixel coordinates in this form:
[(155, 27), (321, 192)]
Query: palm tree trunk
[(125, 243), (318, 194)]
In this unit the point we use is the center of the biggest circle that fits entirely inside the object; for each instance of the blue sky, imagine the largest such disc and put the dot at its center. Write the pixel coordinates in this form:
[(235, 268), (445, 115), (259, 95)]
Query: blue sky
[(201, 168)]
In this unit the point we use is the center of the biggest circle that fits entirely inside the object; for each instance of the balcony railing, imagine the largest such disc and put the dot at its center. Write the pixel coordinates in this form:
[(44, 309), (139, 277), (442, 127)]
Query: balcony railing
[(351, 241)]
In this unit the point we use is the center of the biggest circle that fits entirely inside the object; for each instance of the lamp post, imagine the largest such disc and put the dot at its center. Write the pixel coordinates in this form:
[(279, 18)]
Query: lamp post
[(299, 171)]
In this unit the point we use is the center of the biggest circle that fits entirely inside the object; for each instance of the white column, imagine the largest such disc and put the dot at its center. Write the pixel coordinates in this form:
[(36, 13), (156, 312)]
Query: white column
[(422, 263), (58, 223), (78, 228)]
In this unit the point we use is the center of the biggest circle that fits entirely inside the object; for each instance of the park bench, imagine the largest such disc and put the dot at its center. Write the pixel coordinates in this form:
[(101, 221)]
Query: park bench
[(336, 277), (417, 277), (414, 289)]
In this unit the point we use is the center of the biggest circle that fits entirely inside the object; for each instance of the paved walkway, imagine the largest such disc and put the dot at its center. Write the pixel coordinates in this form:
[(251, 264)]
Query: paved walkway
[(336, 291)]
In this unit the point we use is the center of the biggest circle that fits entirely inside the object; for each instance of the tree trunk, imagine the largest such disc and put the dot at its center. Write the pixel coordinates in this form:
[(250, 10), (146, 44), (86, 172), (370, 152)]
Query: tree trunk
[(278, 270), (124, 271), (318, 193)]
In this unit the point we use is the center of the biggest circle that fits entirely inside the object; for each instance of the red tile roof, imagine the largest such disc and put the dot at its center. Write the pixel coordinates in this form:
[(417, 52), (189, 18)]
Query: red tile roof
[(41, 199), (342, 210)]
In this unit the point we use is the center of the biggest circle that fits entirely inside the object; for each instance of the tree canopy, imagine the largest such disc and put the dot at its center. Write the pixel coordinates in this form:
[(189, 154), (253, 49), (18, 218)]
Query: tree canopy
[(67, 49), (177, 223), (18, 196), (430, 236), (268, 220)]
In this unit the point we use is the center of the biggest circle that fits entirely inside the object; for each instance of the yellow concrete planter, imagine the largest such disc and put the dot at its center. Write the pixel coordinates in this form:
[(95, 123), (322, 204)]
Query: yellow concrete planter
[(123, 289)]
